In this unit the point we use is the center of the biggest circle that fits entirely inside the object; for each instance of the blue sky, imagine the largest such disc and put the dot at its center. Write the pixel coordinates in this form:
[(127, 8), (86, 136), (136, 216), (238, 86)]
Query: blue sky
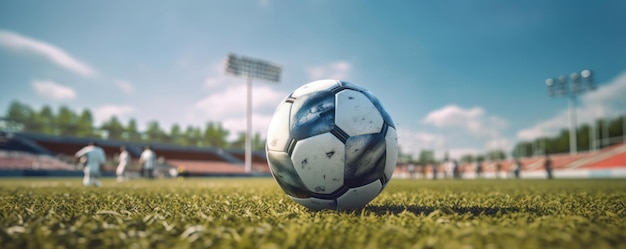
[(457, 76)]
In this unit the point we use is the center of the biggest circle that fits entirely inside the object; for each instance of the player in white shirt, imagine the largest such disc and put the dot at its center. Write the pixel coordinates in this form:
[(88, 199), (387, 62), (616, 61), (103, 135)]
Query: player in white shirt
[(148, 161), (123, 160), (448, 168), (94, 159)]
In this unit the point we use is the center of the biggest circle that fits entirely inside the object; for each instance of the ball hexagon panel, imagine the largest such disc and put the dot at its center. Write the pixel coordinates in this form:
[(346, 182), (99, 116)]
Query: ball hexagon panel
[(359, 196), (312, 114), (286, 175), (314, 86), (380, 108), (365, 159), (278, 133), (315, 203), (356, 114), (319, 161), (391, 139)]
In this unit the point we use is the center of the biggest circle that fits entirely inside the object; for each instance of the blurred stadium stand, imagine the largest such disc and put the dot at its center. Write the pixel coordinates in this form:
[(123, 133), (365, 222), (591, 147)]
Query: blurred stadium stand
[(36, 154), (32, 152), (580, 165)]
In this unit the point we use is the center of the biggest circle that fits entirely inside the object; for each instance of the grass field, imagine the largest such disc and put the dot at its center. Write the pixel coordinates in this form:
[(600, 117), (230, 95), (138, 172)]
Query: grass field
[(254, 213)]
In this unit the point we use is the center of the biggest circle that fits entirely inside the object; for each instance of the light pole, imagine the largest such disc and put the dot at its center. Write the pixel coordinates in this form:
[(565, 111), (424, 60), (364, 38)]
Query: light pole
[(251, 68), (560, 87)]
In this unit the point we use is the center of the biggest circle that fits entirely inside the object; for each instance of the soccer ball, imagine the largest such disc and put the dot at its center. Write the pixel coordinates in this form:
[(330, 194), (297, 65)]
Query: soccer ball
[(331, 145)]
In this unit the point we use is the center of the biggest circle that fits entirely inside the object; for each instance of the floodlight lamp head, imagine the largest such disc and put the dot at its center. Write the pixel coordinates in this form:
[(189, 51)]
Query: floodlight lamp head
[(588, 77), (586, 73), (549, 82)]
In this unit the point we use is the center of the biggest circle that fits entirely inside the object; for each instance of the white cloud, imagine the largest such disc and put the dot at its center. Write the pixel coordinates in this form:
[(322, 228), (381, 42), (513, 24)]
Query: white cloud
[(472, 120), (457, 153), (499, 143), (228, 105), (412, 142), (260, 124), (607, 101), (53, 91), (231, 101), (57, 55), (125, 86), (227, 99), (458, 131), (105, 112), (339, 70)]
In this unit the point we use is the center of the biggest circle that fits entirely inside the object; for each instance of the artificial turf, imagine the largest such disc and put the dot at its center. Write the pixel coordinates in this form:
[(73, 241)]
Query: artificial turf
[(254, 213)]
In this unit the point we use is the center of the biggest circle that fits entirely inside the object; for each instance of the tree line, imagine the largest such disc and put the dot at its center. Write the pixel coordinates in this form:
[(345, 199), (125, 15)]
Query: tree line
[(604, 133), (66, 122)]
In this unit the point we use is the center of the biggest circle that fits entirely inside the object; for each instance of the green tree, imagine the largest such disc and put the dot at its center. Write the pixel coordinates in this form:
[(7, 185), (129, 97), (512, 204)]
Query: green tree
[(215, 135), (22, 114), (240, 141), (405, 157), (85, 124), (45, 121), (188, 137), (469, 158), (154, 133), (114, 128), (132, 133), (257, 142), (175, 136), (426, 157), (67, 121), (495, 155), (196, 137)]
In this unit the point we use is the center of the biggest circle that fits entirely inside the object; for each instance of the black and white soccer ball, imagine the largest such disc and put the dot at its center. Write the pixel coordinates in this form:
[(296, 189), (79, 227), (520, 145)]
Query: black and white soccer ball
[(332, 145)]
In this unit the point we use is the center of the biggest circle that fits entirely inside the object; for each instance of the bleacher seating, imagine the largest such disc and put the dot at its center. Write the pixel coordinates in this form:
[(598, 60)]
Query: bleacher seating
[(28, 161), (37, 151), (66, 147), (617, 158)]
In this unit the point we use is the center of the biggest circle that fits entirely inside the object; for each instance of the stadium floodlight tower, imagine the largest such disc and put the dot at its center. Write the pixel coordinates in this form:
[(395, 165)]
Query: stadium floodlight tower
[(560, 87), (251, 68)]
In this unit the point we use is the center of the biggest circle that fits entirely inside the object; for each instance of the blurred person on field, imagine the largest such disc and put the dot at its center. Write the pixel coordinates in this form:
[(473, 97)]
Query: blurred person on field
[(517, 168), (547, 165), (411, 169), (456, 169), (448, 168), (498, 168), (123, 160), (94, 160), (478, 168), (148, 162)]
